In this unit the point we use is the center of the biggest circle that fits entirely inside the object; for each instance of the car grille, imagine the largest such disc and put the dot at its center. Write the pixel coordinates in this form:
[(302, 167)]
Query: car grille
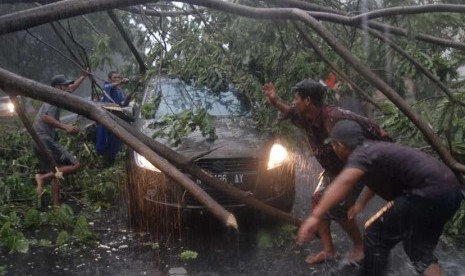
[(248, 167), (229, 165)]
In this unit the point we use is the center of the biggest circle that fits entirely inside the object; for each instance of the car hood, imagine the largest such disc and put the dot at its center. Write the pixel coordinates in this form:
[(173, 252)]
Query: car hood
[(236, 138)]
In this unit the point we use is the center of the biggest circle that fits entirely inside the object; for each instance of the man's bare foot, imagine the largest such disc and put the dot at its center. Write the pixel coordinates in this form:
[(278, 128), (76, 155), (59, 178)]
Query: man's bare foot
[(40, 185), (355, 256), (323, 256)]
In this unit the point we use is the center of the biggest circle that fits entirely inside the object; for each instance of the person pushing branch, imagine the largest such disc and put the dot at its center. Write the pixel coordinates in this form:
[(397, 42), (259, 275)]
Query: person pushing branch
[(316, 118)]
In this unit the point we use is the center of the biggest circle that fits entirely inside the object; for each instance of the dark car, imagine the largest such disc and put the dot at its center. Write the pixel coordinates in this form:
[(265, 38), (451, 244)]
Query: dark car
[(231, 149)]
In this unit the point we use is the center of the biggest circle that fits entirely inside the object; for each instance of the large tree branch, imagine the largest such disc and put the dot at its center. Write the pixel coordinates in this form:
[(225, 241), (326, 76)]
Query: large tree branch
[(333, 66), (390, 93), (155, 152), (13, 22), (340, 17), (29, 88), (139, 10), (419, 67), (185, 164), (60, 10), (42, 148), (127, 39), (75, 7), (403, 10)]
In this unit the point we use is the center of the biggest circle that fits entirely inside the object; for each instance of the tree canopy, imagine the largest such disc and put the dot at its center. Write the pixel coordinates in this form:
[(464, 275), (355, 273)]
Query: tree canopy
[(374, 44)]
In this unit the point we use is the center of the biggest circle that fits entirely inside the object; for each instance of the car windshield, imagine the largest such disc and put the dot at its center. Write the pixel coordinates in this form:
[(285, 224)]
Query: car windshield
[(173, 96)]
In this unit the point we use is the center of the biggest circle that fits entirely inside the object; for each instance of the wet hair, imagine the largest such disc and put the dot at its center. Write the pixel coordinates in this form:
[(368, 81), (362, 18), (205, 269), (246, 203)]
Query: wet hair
[(111, 73), (310, 88)]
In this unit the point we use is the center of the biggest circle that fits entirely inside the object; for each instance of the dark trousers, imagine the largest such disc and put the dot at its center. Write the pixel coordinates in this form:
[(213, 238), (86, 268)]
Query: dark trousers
[(416, 222)]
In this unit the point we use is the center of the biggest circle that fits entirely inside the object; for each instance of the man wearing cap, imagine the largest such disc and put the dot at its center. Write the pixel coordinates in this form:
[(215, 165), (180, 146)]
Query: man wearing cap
[(317, 119), (47, 120), (422, 194)]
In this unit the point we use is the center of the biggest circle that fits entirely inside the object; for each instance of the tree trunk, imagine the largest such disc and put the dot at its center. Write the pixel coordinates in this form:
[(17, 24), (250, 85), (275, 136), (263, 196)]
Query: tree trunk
[(29, 88), (128, 41), (184, 164), (47, 155)]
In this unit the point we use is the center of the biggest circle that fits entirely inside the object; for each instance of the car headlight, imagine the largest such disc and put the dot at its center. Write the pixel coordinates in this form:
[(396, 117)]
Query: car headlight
[(142, 162), (11, 107), (278, 155)]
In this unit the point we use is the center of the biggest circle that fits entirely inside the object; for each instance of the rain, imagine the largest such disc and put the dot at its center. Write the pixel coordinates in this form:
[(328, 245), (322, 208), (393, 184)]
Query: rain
[(170, 154)]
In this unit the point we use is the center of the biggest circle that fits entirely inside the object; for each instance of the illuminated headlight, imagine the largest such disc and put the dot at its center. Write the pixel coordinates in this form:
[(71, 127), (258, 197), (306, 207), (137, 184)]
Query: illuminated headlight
[(11, 107), (144, 163), (278, 155)]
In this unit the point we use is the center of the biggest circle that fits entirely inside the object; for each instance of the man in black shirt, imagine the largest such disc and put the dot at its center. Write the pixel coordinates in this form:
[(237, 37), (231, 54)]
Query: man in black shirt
[(422, 194)]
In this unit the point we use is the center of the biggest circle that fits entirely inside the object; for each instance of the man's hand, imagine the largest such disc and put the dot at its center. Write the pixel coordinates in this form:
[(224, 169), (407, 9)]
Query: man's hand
[(270, 92), (307, 229), (71, 129), (125, 80), (85, 72)]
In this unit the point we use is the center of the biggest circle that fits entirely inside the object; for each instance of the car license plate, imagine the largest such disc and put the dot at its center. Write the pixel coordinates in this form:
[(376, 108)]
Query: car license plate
[(235, 178)]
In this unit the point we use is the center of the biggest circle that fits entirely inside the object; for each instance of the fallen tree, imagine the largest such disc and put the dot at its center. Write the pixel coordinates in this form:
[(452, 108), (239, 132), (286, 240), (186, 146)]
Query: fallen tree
[(60, 10), (56, 11), (16, 85), (159, 155)]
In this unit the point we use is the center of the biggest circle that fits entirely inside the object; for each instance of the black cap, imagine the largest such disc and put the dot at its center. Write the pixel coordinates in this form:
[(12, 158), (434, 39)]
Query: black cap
[(348, 132), (60, 80), (310, 88)]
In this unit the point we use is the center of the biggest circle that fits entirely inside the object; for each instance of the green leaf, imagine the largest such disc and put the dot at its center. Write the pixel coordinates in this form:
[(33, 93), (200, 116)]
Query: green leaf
[(45, 242), (32, 218), (82, 233), (189, 255), (62, 238), (264, 239), (14, 241)]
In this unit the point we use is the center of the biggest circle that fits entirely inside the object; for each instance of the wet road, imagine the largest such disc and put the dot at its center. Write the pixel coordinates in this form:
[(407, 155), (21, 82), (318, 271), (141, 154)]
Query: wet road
[(220, 251)]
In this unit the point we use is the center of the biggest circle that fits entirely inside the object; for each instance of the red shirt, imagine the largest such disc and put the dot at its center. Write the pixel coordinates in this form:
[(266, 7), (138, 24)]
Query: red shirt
[(320, 128)]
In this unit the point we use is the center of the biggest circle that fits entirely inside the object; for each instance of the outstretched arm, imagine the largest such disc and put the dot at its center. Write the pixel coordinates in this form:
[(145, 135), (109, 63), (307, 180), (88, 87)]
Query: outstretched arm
[(336, 192), (77, 83), (119, 81), (270, 93)]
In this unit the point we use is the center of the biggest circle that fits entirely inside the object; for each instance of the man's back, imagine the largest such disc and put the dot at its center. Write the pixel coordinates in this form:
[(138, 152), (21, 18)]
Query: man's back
[(394, 169), (318, 131)]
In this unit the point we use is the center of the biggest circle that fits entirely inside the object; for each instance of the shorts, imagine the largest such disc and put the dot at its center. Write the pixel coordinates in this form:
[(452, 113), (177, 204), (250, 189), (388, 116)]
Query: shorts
[(338, 212), (61, 156), (416, 221)]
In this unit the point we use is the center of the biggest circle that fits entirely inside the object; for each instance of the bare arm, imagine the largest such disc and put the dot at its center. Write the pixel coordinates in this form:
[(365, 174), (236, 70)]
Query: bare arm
[(118, 82), (72, 129), (77, 83), (270, 93), (336, 192)]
